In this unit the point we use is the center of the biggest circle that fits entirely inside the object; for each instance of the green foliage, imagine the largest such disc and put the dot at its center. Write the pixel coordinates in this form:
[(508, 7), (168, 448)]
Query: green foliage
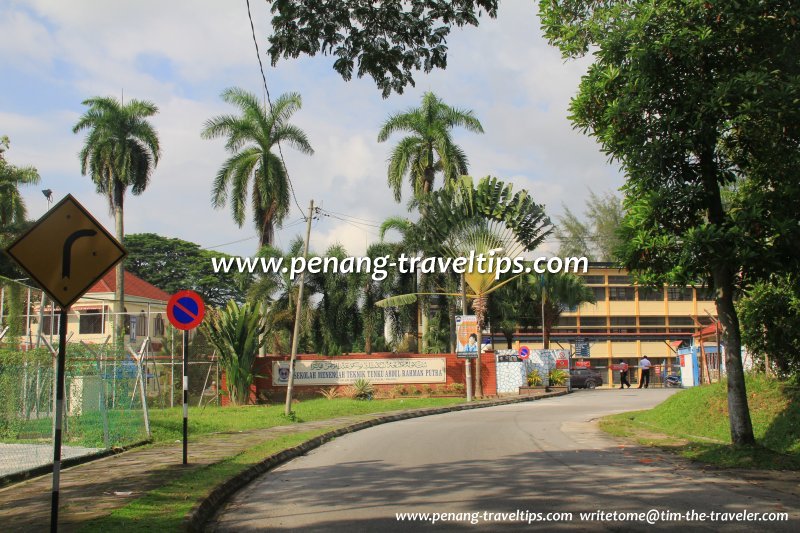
[(237, 333), (561, 292), (429, 149), (699, 415), (458, 388), (770, 314), (695, 99), (254, 175), (534, 378), (385, 41), (557, 377), (598, 237), (510, 307), (330, 393), (173, 264), (362, 389), (12, 205)]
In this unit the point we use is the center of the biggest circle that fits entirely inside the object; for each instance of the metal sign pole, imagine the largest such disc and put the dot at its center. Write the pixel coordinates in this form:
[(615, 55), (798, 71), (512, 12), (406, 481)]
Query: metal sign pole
[(185, 397), (62, 356)]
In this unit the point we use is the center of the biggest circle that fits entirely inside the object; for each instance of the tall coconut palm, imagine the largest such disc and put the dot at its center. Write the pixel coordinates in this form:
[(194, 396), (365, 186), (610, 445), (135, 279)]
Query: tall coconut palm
[(429, 148), (120, 151), (254, 173), (12, 206)]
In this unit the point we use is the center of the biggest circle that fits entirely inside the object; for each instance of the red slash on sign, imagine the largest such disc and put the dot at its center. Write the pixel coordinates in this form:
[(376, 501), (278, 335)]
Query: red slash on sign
[(185, 310)]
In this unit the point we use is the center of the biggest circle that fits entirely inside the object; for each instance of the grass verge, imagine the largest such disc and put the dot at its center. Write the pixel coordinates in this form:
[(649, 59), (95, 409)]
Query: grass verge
[(167, 424), (164, 508), (694, 423)]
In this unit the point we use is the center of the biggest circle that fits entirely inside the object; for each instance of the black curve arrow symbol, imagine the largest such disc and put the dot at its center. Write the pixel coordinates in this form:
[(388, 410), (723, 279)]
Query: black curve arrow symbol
[(67, 253)]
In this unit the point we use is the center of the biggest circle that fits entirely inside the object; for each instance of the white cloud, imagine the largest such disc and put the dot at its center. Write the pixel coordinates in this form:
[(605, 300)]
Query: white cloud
[(182, 54)]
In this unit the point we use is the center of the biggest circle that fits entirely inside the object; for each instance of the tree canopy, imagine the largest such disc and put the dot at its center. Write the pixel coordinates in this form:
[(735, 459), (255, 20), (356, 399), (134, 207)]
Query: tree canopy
[(695, 99), (385, 40), (597, 235), (174, 264)]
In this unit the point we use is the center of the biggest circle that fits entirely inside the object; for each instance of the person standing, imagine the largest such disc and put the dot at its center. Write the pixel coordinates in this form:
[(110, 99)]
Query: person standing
[(623, 374), (645, 365)]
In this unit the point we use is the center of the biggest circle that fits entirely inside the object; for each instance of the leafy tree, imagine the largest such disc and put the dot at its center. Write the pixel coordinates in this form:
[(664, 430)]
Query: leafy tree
[(121, 150), (237, 333), (692, 97), (510, 308), (251, 138), (174, 264), (429, 148), (598, 237), (385, 40), (770, 314)]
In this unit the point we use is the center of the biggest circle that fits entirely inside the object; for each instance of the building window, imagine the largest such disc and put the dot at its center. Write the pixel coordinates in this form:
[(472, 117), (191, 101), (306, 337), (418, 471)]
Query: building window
[(620, 280), (651, 321), (158, 326), (567, 321), (50, 322), (621, 293), (646, 294), (594, 280), (599, 294), (705, 294), (681, 321), (593, 321), (679, 294), (90, 322), (623, 320)]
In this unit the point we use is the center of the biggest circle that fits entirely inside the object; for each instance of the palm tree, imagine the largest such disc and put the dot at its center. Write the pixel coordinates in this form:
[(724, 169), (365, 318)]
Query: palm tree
[(121, 150), (480, 219), (12, 206), (553, 294), (429, 148), (253, 165)]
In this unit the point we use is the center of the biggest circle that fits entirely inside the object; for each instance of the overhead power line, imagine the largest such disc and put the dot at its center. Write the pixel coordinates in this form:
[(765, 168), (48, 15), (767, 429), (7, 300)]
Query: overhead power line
[(269, 101)]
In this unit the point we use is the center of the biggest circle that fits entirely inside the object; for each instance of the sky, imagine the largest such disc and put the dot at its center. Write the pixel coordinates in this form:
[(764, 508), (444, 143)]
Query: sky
[(182, 54)]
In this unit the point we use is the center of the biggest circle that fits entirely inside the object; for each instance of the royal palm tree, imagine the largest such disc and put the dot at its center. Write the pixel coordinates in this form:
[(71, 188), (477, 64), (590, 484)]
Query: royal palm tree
[(12, 206), (429, 148), (121, 150), (254, 173)]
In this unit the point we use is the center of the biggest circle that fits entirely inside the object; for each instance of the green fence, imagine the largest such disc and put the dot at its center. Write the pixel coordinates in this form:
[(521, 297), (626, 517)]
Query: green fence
[(104, 396)]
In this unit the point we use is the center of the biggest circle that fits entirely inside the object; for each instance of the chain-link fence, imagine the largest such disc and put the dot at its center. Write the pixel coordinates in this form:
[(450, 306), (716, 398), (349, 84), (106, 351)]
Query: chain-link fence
[(105, 400)]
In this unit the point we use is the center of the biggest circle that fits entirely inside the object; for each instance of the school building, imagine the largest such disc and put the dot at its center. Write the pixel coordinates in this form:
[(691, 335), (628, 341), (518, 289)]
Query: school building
[(628, 321)]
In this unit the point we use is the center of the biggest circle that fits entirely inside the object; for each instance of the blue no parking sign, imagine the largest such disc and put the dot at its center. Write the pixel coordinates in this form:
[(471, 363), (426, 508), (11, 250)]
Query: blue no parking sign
[(185, 310)]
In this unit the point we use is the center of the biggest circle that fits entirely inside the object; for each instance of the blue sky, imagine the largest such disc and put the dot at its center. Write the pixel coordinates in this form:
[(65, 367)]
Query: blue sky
[(182, 54)]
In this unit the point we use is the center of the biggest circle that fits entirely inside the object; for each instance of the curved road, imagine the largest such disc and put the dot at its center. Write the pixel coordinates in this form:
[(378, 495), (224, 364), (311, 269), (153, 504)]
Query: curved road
[(541, 457)]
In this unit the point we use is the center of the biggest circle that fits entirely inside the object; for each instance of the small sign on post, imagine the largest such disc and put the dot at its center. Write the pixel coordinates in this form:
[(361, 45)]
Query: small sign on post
[(185, 311), (467, 346), (65, 252)]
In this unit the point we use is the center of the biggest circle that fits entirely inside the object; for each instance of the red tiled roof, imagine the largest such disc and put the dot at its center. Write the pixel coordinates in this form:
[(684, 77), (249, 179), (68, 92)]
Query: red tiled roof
[(134, 286)]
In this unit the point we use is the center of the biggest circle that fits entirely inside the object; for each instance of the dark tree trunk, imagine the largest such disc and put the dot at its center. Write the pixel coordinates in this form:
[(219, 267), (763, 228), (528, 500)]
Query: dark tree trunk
[(723, 276)]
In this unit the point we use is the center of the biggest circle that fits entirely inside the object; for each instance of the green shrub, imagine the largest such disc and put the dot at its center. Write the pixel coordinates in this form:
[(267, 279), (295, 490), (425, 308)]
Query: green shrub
[(362, 390), (534, 378), (557, 377), (330, 393), (458, 388)]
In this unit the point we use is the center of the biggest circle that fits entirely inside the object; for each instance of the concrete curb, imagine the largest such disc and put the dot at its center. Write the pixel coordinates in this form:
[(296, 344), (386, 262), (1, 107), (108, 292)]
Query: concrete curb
[(196, 519)]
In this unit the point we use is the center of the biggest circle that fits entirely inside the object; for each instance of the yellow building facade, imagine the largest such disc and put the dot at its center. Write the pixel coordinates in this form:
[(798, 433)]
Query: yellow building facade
[(628, 321)]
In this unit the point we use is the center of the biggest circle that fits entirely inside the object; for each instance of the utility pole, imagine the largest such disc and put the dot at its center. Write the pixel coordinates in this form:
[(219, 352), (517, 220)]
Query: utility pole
[(467, 361), (296, 332)]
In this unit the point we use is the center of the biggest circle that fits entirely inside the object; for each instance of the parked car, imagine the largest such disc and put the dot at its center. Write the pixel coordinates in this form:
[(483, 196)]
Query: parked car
[(585, 378)]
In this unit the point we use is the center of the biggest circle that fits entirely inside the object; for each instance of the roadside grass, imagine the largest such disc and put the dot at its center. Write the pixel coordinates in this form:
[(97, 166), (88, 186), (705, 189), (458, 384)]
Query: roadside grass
[(694, 423), (167, 424), (164, 508)]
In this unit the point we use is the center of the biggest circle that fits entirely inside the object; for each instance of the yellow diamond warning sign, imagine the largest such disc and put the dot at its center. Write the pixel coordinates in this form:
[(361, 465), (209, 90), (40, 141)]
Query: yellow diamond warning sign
[(66, 251)]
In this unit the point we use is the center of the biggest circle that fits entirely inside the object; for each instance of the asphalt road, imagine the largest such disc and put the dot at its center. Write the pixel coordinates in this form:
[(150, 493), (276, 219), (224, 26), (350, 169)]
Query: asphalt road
[(539, 457)]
